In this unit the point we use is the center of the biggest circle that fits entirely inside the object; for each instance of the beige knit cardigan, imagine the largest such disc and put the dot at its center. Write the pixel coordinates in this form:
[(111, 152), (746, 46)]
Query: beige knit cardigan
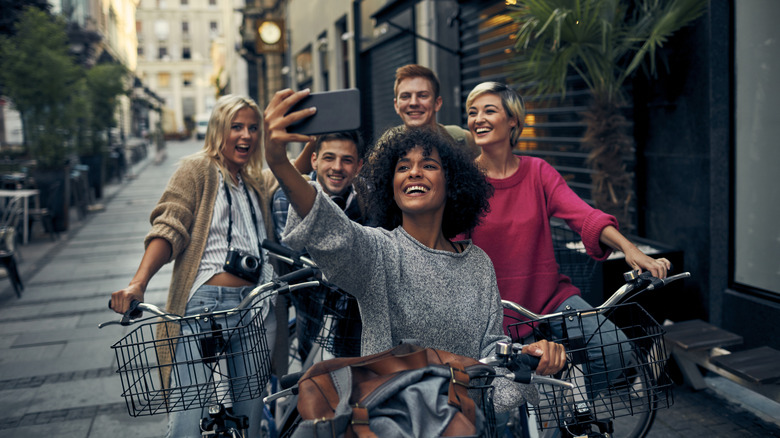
[(183, 218)]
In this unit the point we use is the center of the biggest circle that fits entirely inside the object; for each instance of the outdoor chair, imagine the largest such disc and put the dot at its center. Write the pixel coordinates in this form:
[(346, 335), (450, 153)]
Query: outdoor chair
[(8, 224)]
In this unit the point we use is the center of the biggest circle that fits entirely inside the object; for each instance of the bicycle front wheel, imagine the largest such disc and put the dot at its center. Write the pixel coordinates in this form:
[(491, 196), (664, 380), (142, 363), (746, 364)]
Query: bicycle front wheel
[(639, 424)]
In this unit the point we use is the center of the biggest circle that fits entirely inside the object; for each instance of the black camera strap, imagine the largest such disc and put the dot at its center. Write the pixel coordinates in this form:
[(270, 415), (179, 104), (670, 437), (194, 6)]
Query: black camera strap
[(230, 214)]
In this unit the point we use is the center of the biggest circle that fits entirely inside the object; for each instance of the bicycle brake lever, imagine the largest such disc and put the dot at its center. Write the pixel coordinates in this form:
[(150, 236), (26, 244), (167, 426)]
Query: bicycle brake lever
[(283, 393), (552, 381), (132, 313)]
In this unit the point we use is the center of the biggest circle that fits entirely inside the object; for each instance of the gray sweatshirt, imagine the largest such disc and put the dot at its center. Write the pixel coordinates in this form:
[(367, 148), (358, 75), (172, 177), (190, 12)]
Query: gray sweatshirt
[(405, 290)]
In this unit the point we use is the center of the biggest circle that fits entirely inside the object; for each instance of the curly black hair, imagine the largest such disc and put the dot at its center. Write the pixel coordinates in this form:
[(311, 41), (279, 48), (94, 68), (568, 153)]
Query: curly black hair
[(467, 189)]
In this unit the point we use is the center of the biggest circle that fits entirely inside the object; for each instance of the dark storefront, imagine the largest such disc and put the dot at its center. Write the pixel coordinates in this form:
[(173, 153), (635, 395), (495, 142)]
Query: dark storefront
[(694, 149)]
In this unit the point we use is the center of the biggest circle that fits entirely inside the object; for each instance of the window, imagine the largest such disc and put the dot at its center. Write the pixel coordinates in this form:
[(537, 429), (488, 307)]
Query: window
[(140, 51), (187, 79), (303, 73), (343, 51), (163, 80), (212, 2), (185, 27), (161, 29), (138, 26), (756, 128), (322, 51), (162, 53), (213, 27), (185, 53), (185, 2)]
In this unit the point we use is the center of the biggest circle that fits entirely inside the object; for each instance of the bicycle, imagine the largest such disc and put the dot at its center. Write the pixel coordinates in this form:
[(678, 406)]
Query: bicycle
[(221, 375), (325, 324), (615, 400)]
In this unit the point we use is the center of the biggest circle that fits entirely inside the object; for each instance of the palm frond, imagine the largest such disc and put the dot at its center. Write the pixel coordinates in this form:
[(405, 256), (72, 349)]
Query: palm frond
[(602, 41)]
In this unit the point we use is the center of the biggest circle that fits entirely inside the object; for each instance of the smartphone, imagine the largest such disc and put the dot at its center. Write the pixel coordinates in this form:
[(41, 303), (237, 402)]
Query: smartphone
[(337, 111)]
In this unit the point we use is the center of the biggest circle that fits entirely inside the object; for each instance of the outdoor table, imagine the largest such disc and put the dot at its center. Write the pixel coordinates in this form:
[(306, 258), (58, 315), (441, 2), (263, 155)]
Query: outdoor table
[(25, 194)]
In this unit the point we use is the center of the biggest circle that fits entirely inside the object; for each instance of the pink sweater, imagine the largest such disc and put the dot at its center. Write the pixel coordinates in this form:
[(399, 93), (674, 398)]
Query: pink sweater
[(516, 234)]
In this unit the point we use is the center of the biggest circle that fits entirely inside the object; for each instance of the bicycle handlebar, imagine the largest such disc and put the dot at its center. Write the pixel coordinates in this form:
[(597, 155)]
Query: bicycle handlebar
[(509, 356), (520, 365), (287, 255), (280, 285), (636, 283)]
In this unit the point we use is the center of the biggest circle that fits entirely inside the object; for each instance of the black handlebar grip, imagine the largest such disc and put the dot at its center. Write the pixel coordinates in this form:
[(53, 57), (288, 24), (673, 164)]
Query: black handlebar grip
[(300, 274), (527, 361), (133, 312), (279, 249), (522, 367), (290, 380)]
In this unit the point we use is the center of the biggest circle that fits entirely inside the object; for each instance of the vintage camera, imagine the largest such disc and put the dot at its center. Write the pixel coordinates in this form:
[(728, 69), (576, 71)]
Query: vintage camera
[(243, 265)]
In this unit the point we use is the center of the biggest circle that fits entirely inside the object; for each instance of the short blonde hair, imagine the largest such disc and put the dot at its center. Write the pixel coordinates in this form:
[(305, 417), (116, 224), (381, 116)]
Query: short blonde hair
[(218, 130), (512, 101)]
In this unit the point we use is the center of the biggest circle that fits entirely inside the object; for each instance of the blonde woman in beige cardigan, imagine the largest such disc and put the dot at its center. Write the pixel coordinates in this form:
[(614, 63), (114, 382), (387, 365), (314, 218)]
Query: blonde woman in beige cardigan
[(217, 198)]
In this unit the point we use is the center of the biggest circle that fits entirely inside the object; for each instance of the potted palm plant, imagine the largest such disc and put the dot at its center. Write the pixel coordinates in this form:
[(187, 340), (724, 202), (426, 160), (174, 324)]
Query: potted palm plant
[(604, 43)]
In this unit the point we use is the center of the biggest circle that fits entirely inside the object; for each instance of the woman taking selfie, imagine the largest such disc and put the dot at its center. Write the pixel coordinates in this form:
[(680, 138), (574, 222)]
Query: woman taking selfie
[(410, 279)]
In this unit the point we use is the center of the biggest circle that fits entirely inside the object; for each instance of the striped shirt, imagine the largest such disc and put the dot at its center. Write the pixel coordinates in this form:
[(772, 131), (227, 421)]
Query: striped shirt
[(244, 236)]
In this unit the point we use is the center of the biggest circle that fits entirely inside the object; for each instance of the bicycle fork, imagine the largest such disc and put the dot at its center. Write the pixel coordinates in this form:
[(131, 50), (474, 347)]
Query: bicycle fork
[(580, 415), (221, 420)]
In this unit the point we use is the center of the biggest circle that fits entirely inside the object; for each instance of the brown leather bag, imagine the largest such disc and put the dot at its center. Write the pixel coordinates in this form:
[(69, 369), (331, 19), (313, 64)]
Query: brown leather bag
[(350, 397)]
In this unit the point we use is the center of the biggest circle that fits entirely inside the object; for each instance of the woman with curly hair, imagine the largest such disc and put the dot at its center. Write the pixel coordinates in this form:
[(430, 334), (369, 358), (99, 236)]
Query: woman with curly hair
[(467, 195), (411, 281)]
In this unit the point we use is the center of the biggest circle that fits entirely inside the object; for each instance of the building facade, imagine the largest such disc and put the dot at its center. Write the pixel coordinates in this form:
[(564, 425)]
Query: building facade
[(702, 129), (186, 54), (104, 31)]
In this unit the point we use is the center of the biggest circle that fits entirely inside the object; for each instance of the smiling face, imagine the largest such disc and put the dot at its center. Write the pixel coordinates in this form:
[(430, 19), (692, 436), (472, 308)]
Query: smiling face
[(242, 140), (337, 164), (416, 103), (489, 122), (419, 184)]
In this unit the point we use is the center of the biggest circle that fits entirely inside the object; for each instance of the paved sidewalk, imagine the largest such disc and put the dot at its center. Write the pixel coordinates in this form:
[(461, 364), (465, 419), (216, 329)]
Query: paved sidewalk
[(57, 369)]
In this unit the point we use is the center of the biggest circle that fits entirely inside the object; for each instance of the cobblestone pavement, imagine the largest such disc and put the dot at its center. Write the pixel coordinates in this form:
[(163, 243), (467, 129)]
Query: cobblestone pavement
[(57, 369)]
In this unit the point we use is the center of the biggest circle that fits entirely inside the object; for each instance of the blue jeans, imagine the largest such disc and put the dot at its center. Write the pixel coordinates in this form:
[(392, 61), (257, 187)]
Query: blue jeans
[(608, 349), (210, 299)]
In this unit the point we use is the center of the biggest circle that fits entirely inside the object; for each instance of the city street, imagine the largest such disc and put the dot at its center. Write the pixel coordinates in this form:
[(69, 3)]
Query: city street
[(57, 370)]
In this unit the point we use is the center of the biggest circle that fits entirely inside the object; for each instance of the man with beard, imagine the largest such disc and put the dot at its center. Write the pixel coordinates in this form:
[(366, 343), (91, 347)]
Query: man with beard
[(336, 160)]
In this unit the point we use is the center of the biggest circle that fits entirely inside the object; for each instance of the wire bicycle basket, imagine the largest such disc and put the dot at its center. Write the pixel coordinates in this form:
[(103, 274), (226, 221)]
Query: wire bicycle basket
[(613, 378), (329, 317), (223, 365), (482, 390)]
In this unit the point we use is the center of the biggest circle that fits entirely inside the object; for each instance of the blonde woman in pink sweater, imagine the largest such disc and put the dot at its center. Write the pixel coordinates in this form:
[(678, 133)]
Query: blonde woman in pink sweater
[(515, 233)]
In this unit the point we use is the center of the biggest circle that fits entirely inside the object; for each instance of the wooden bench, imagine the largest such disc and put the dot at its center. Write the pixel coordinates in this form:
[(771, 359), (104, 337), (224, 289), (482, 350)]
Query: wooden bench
[(758, 365), (697, 344)]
